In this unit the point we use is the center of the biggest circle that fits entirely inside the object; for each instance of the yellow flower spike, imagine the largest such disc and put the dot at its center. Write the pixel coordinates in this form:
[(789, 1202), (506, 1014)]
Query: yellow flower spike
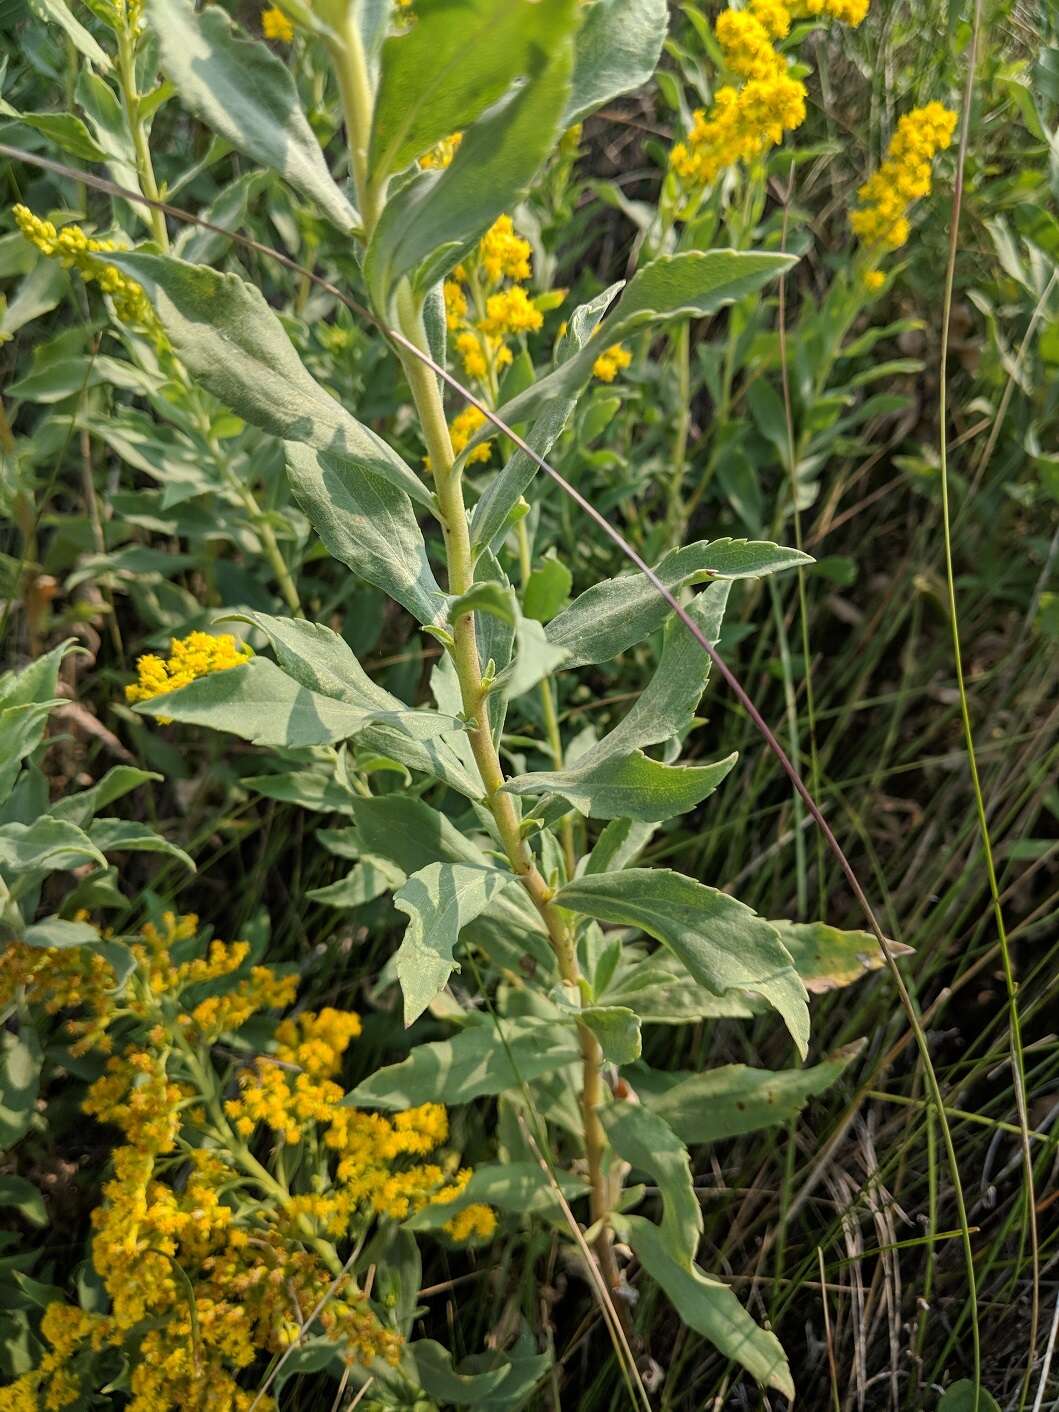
[(881, 219), (611, 362), (748, 118), (75, 250), (275, 25), (874, 280)]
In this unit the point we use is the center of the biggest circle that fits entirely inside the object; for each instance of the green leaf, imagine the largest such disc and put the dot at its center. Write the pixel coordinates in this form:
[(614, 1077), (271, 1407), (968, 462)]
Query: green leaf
[(413, 835), (708, 1306), (58, 933), (456, 60), (232, 343), (632, 786), (723, 944), (47, 845), (522, 1188), (828, 958), (260, 703), (617, 50), (439, 901), (59, 13), (80, 808), (321, 660), (547, 589), (961, 1398), (40, 292), (369, 525), (614, 779), (368, 879), (650, 1145), (126, 836), (690, 285), (64, 129), (475, 1064), (486, 596), (496, 1382), (306, 790), (616, 1028), (616, 614), (19, 1195), (735, 1099), (247, 95), (430, 223), (659, 990), (20, 1064), (501, 496)]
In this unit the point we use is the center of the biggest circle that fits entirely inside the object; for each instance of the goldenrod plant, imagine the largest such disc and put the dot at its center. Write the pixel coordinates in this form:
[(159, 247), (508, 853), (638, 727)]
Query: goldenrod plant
[(334, 568)]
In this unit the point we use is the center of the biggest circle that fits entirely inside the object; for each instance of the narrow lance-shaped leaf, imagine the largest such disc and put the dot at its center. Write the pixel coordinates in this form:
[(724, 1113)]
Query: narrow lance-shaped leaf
[(708, 1306), (828, 958), (617, 613), (231, 342), (241, 90), (735, 1099), (690, 285), (615, 779), (723, 944), (502, 493), (369, 524), (439, 901), (650, 1145)]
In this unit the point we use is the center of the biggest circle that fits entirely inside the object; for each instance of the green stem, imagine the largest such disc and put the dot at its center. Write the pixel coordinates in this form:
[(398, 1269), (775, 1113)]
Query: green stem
[(131, 102), (351, 67), (675, 514), (464, 652)]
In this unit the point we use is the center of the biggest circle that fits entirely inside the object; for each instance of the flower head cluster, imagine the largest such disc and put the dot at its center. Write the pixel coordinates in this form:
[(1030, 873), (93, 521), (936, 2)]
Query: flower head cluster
[(75, 250), (611, 362), (196, 655), (881, 219), (210, 1263), (749, 117), (483, 310), (275, 25)]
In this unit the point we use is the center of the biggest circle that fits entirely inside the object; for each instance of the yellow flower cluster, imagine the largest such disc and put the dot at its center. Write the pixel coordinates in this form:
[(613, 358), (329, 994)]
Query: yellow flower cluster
[(462, 429), (881, 220), (275, 25), (746, 120), (75, 250), (190, 657), (484, 315), (208, 1261), (611, 362)]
